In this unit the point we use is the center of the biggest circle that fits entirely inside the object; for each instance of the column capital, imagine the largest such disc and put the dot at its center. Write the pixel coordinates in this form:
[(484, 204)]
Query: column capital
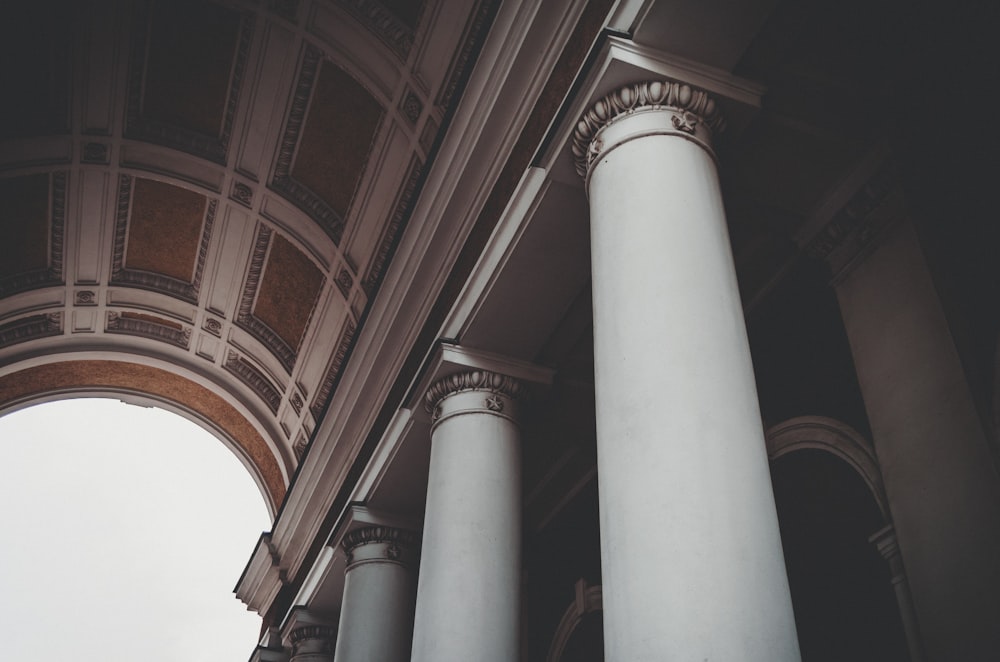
[(474, 380), (312, 640), (681, 109), (850, 224), (380, 544)]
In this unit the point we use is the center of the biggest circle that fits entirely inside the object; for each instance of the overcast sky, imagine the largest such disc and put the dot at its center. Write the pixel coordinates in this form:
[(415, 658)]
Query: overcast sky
[(124, 532)]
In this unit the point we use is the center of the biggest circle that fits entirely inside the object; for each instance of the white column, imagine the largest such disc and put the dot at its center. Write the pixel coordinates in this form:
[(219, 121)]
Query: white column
[(939, 476), (691, 555), (468, 593), (312, 643), (376, 615), (885, 541)]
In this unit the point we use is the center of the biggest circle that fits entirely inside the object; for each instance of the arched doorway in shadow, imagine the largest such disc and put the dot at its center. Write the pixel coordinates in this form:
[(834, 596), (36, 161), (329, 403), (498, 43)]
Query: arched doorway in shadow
[(829, 499), (125, 530)]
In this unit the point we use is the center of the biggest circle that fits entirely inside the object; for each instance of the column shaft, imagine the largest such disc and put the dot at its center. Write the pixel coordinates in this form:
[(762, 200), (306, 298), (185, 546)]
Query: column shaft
[(376, 615), (691, 555), (468, 595), (942, 487)]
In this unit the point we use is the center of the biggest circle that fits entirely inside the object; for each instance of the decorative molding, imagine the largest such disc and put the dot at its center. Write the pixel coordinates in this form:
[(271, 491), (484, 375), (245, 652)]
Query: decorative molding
[(30, 328), (148, 327), (255, 379), (345, 282), (475, 33), (400, 544), (411, 106), (282, 181), (94, 152), (333, 371), (85, 298), (588, 599), (120, 275), (690, 108), (849, 236), (53, 273), (300, 446), (473, 380), (212, 148), (381, 22), (242, 193), (308, 640), (245, 318), (296, 402), (213, 326), (836, 438), (398, 220)]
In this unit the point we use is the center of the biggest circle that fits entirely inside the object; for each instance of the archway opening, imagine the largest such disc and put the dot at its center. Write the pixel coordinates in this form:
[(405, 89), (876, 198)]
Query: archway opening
[(841, 591), (125, 529)]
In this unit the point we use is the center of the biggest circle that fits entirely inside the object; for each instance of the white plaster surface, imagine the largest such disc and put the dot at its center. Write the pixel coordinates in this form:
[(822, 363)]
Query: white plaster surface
[(468, 595), (691, 556)]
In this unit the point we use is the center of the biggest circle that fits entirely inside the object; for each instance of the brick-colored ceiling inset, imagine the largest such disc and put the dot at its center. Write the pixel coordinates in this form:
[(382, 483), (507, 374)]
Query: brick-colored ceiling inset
[(191, 51), (340, 128), (165, 230), (289, 289), (24, 224)]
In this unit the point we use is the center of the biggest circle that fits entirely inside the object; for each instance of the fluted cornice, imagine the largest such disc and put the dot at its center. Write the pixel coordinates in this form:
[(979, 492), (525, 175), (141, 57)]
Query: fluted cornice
[(690, 106), (474, 380)]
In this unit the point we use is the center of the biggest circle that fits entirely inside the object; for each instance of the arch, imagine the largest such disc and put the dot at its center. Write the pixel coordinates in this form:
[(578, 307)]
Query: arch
[(832, 436), (588, 599), (145, 384)]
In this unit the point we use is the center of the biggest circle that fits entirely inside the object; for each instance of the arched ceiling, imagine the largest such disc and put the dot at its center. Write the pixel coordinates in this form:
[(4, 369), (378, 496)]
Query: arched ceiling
[(209, 194)]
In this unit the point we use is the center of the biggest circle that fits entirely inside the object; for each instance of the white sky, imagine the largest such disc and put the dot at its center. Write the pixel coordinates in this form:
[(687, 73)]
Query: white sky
[(124, 532)]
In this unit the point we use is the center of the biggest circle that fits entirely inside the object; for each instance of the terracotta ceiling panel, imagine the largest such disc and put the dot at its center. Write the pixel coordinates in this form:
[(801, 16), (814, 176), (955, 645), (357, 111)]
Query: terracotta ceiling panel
[(289, 289), (191, 51), (337, 139), (165, 229), (24, 227)]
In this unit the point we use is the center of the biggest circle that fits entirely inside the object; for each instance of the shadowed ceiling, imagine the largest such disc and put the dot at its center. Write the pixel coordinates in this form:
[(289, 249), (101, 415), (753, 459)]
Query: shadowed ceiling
[(215, 187)]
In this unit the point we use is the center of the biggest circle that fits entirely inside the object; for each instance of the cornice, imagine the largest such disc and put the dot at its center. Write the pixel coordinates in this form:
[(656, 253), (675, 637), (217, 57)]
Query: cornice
[(689, 106)]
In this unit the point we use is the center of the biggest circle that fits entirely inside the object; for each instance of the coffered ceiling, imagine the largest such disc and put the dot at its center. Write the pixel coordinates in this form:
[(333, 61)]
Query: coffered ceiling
[(198, 200)]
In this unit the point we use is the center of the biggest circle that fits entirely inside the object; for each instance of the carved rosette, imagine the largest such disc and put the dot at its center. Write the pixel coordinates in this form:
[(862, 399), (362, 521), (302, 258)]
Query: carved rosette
[(473, 391), (381, 544), (313, 643), (686, 112)]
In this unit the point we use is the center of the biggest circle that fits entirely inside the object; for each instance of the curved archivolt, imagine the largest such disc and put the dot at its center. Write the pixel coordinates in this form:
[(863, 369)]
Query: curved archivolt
[(73, 378)]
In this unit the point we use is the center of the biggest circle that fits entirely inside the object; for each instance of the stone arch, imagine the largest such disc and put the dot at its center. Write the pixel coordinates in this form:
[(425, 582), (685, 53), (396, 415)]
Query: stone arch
[(836, 438), (146, 384), (588, 599)]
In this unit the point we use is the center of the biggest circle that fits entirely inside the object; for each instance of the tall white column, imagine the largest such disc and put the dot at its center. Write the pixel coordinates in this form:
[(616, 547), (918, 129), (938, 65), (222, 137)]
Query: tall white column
[(943, 488), (376, 615), (691, 555), (468, 593)]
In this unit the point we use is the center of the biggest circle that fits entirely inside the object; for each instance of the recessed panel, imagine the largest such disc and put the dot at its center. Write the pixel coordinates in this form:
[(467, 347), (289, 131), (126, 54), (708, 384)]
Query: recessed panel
[(164, 231), (191, 50), (24, 224), (288, 291), (339, 130)]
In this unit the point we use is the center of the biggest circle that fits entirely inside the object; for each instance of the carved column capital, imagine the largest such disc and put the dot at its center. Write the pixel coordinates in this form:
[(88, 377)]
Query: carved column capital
[(380, 544), (488, 392), (855, 229), (313, 642), (685, 111)]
